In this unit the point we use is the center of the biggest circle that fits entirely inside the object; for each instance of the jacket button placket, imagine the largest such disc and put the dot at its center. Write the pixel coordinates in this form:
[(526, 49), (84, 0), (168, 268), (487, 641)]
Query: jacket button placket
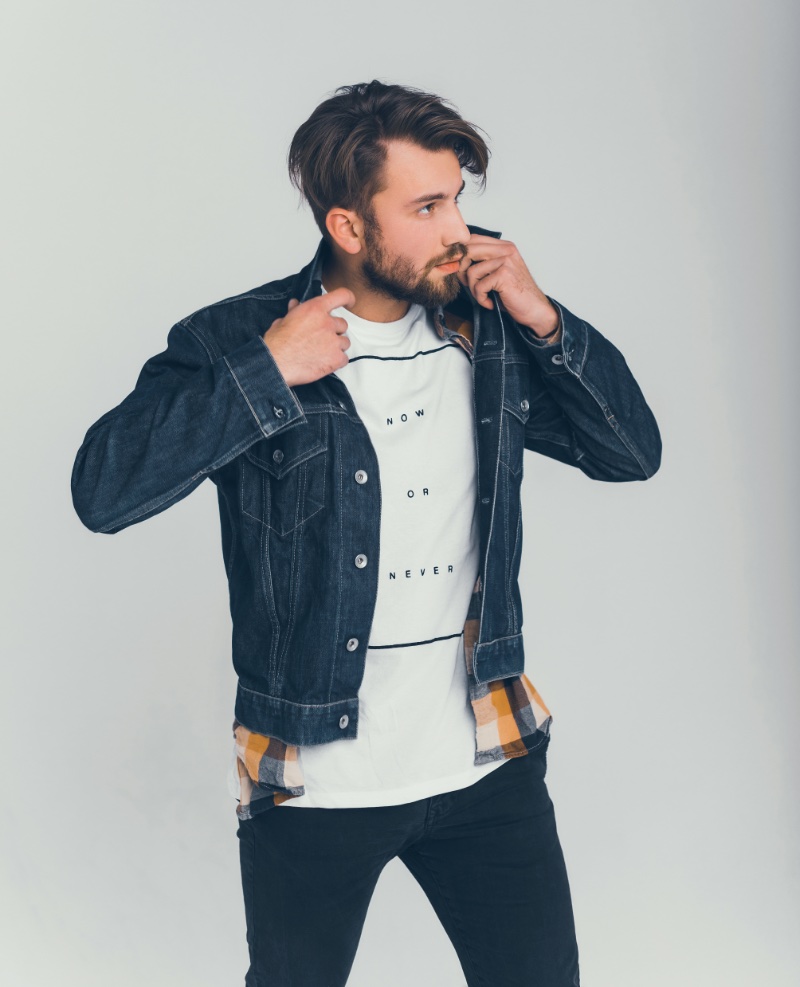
[(360, 549)]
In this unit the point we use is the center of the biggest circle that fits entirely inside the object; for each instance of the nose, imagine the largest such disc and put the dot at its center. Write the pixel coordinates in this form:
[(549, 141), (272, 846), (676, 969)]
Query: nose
[(456, 231)]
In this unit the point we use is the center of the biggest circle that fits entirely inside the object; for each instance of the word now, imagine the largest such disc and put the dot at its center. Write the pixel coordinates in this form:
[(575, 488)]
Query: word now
[(404, 417)]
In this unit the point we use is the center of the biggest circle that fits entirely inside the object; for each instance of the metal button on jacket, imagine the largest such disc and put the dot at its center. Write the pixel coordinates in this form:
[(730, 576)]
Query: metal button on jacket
[(277, 456), (361, 476), (557, 358), (352, 644), (524, 404), (361, 561), (344, 720)]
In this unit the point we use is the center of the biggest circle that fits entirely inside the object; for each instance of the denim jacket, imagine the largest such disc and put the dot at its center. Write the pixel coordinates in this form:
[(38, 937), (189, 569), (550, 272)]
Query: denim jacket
[(299, 489)]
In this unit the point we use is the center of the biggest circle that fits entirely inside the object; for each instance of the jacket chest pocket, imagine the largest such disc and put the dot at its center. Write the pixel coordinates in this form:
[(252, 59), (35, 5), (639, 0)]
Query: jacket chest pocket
[(284, 479), (516, 411)]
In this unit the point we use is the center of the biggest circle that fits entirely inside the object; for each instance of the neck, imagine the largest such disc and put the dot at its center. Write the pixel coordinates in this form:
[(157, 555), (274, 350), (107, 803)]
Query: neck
[(345, 272)]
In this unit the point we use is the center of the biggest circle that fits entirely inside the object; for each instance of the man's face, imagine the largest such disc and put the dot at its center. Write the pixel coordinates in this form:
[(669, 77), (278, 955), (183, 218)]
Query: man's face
[(415, 226)]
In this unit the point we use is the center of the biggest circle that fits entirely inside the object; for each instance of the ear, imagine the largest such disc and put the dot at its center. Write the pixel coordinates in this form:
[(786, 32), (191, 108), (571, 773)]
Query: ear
[(345, 229)]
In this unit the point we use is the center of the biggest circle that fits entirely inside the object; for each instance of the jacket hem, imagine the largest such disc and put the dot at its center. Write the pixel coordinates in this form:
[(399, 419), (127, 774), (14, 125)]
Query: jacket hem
[(301, 724)]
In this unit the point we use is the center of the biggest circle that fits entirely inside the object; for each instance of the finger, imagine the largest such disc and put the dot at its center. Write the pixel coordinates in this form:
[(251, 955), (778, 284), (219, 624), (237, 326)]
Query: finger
[(293, 303), (477, 271), (477, 274), (483, 238), (339, 324), (470, 260), (487, 247), (338, 297), (491, 282)]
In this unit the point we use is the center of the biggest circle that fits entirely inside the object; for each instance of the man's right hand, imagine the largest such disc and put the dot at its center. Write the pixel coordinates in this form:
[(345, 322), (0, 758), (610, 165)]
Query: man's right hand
[(308, 342)]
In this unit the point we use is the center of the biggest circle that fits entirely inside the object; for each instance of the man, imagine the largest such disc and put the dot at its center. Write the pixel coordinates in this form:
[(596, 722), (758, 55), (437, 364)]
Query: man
[(364, 421)]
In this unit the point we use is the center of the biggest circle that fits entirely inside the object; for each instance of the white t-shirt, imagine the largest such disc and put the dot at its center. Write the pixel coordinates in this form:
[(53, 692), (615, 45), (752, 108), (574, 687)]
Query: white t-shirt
[(416, 729)]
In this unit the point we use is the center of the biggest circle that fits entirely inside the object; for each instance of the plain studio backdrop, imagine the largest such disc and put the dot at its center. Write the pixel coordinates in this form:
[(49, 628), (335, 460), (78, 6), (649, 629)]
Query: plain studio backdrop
[(645, 159)]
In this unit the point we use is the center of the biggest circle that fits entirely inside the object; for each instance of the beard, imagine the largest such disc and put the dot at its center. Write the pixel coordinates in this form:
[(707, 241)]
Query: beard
[(396, 276)]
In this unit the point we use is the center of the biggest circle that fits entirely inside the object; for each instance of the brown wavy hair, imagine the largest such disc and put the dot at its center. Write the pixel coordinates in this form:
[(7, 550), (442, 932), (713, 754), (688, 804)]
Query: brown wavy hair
[(336, 157)]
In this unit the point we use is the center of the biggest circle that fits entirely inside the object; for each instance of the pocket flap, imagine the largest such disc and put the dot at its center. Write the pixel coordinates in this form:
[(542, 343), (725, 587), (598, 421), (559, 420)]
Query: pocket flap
[(282, 453)]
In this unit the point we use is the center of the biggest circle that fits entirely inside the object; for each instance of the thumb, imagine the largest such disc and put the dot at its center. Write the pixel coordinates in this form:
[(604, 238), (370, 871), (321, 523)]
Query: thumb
[(293, 303)]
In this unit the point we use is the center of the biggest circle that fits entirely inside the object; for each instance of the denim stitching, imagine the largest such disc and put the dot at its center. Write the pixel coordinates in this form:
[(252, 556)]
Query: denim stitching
[(200, 337), (252, 409), (497, 463), (617, 429), (268, 593), (340, 580), (287, 702), (171, 494)]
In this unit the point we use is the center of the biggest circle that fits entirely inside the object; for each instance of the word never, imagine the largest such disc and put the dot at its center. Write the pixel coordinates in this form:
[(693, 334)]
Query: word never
[(434, 571)]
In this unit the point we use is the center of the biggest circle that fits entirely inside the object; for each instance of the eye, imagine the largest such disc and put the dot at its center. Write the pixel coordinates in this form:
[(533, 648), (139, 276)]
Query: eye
[(431, 205)]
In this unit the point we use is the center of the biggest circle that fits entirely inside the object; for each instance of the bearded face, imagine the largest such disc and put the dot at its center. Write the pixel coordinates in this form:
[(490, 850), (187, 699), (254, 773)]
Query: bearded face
[(396, 276)]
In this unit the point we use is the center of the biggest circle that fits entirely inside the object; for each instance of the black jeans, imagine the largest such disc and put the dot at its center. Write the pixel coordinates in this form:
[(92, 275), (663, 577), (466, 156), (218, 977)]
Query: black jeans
[(487, 856)]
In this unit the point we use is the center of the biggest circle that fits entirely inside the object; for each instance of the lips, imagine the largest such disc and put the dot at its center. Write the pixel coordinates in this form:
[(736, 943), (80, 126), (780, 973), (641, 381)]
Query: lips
[(451, 266)]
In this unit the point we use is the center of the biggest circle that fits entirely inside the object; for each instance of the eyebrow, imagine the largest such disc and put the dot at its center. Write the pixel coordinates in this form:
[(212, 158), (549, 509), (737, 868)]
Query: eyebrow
[(436, 195)]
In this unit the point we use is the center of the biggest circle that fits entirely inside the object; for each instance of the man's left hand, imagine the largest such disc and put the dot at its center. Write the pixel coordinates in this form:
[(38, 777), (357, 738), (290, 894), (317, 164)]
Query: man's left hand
[(496, 265)]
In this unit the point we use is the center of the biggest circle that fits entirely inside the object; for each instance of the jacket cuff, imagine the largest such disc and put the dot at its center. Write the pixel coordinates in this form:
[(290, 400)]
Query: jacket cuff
[(270, 399), (548, 340), (564, 349)]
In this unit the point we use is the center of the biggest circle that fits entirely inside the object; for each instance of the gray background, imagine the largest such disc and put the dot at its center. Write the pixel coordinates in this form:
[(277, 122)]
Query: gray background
[(645, 162)]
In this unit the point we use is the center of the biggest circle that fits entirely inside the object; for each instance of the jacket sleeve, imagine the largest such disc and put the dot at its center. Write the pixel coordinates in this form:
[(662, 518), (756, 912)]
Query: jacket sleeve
[(587, 409), (189, 414)]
